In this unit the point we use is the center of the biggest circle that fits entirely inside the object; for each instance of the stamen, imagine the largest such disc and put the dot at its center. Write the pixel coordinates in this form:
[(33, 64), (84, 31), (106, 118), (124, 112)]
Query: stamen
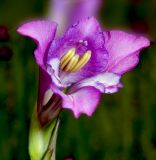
[(84, 59), (72, 63), (67, 57)]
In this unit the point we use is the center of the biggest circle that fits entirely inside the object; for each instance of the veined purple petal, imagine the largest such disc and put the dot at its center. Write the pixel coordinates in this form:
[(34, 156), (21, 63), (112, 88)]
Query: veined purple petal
[(66, 12), (88, 33), (83, 29), (123, 49), (84, 100), (85, 35), (104, 82), (43, 32)]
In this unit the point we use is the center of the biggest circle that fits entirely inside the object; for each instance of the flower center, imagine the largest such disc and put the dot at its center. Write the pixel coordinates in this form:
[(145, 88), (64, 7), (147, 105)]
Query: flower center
[(72, 62)]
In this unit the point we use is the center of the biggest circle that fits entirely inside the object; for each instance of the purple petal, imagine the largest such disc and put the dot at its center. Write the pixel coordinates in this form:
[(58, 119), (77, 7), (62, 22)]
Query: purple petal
[(82, 29), (88, 33), (43, 33), (66, 12), (104, 82), (84, 35), (79, 35), (84, 100), (123, 49), (85, 8), (59, 12)]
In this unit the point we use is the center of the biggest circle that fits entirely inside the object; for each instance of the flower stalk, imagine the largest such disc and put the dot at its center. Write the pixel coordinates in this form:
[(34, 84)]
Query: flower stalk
[(51, 151), (42, 140)]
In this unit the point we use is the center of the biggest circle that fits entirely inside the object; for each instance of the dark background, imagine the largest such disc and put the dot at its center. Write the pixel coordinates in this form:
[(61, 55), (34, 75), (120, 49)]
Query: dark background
[(124, 125)]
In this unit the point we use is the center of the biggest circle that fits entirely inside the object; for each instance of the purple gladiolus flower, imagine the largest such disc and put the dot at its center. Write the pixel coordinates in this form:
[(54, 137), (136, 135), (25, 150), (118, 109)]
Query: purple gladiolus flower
[(83, 63)]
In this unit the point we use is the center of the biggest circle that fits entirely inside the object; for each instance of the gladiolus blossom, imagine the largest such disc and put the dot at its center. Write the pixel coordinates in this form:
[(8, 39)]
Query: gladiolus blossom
[(84, 62)]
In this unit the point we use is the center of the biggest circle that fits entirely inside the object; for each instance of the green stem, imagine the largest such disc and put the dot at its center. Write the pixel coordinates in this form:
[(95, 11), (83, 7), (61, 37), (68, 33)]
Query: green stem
[(51, 151), (42, 140)]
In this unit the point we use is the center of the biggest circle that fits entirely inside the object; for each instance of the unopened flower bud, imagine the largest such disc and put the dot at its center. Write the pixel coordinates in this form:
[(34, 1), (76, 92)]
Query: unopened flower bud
[(50, 110), (5, 54), (4, 35)]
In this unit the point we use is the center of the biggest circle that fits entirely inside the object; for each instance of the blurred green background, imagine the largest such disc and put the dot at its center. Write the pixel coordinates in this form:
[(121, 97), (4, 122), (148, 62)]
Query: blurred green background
[(124, 125)]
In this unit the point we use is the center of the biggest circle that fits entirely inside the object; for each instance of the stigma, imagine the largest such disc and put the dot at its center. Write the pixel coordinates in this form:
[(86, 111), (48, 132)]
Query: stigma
[(72, 62)]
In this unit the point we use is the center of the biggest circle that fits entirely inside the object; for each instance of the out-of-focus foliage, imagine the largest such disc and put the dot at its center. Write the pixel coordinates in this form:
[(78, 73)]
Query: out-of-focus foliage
[(124, 125)]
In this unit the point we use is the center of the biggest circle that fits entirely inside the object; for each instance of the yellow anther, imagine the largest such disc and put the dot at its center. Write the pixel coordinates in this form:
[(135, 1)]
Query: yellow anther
[(67, 57), (72, 63), (84, 59)]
